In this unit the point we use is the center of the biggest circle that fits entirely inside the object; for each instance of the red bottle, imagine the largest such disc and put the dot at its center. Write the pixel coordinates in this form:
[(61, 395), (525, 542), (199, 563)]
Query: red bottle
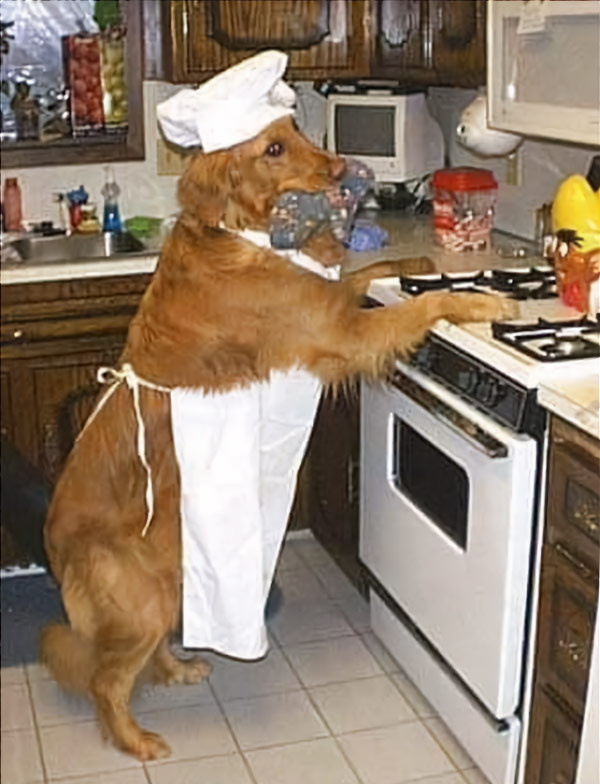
[(12, 205)]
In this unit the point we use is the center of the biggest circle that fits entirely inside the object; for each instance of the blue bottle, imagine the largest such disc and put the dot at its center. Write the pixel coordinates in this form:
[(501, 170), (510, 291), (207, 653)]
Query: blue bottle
[(111, 191)]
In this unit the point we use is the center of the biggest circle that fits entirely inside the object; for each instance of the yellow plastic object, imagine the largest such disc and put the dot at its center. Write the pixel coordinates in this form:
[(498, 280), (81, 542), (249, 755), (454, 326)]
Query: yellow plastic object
[(577, 207)]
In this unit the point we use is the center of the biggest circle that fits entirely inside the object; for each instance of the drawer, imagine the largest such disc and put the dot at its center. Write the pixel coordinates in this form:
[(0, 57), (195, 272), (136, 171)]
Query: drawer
[(566, 625), (574, 500), (21, 335), (553, 743)]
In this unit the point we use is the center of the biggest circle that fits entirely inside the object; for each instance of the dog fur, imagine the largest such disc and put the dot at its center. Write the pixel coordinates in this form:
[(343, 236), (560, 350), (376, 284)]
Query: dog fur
[(219, 313)]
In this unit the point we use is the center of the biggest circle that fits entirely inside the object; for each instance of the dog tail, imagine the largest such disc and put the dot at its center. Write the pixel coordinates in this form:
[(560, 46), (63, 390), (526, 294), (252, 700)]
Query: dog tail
[(69, 657)]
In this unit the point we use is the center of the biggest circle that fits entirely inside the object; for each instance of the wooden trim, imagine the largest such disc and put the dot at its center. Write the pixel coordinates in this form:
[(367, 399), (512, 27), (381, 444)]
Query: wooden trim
[(78, 151)]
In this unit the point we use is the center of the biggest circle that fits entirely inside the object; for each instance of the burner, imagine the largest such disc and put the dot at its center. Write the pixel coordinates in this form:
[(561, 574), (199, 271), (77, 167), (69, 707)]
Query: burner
[(552, 341), (569, 347), (520, 284)]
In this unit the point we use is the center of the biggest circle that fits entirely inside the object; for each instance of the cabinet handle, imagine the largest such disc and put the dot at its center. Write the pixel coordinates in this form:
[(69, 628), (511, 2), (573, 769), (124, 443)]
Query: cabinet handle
[(576, 651), (582, 568), (588, 517), (51, 447)]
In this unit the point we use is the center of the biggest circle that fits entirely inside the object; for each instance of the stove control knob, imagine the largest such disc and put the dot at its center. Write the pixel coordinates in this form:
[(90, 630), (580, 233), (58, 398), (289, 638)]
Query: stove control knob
[(468, 380), (491, 391)]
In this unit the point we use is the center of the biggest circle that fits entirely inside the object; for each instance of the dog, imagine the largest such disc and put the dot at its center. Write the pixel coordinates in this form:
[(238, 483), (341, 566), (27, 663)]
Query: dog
[(220, 313)]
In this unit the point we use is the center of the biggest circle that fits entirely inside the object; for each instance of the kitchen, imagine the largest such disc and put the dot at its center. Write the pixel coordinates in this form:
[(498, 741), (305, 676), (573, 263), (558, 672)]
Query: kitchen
[(60, 328)]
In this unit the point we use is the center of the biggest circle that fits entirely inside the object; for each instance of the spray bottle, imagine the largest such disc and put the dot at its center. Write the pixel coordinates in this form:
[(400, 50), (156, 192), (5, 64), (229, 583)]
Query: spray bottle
[(111, 191)]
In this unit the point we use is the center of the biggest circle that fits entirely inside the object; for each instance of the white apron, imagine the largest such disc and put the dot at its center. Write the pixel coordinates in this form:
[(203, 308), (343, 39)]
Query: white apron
[(239, 453)]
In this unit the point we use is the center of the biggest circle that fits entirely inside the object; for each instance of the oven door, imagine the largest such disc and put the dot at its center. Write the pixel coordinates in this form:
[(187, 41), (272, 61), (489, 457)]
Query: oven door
[(446, 526)]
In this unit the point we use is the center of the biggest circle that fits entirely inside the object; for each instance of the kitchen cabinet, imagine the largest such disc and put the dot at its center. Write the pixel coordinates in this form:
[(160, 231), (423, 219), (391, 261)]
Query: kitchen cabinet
[(418, 42), (440, 43), (567, 606), (329, 480), (324, 39), (54, 336)]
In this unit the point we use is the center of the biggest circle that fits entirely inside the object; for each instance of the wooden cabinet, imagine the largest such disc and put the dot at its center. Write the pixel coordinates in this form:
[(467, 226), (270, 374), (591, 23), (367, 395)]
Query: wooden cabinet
[(430, 42), (54, 336), (417, 42), (329, 482), (323, 39), (567, 607), (458, 42)]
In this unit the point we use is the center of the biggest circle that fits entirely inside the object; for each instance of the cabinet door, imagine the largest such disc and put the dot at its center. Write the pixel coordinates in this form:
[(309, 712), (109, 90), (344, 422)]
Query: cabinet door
[(553, 743), (402, 41), (52, 396), (458, 42), (568, 602), (323, 38), (332, 473)]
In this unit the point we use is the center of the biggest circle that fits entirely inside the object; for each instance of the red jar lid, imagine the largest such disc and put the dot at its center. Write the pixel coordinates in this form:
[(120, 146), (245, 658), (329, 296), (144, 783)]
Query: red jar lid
[(464, 178)]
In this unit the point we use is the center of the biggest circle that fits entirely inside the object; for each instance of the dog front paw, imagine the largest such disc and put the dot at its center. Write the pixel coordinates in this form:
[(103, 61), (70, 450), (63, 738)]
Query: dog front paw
[(467, 307)]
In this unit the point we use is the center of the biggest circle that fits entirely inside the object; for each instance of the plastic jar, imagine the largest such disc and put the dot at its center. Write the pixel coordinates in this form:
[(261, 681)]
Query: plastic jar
[(464, 201)]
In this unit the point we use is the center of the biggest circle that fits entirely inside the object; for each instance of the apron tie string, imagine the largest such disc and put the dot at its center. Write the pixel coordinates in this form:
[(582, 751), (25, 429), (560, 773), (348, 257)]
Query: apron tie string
[(115, 377)]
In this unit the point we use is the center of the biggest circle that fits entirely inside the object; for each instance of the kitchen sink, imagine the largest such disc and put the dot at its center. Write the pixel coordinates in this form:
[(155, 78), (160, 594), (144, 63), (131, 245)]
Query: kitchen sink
[(40, 250)]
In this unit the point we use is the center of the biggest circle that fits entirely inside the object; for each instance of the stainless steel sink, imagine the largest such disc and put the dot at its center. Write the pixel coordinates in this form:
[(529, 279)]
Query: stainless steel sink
[(37, 250)]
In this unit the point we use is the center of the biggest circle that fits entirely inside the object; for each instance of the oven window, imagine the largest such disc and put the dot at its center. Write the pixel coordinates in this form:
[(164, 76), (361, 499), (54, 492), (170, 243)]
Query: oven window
[(432, 481)]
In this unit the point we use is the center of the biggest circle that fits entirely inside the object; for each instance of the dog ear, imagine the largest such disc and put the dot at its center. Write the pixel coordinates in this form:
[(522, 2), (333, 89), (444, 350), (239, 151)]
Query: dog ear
[(205, 188)]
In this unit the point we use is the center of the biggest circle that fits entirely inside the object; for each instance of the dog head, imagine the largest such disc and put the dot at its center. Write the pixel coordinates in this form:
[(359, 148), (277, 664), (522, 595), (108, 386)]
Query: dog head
[(240, 185)]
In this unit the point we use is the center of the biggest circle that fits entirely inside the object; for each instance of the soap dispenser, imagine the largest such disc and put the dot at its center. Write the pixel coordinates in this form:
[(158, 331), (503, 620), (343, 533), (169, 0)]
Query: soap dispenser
[(111, 191)]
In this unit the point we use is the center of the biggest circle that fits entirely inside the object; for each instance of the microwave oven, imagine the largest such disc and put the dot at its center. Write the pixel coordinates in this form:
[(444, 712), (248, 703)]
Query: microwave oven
[(392, 134), (543, 70)]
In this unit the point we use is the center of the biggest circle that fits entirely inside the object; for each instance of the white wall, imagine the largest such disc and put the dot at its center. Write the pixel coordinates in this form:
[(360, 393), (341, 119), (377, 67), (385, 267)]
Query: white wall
[(543, 164), (142, 191)]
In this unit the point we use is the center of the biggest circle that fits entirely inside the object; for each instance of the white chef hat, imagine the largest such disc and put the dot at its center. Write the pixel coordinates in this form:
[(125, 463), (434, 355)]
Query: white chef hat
[(230, 108)]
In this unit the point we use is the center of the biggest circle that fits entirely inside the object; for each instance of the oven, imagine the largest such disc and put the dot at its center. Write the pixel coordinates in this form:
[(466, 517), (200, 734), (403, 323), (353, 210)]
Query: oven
[(450, 466)]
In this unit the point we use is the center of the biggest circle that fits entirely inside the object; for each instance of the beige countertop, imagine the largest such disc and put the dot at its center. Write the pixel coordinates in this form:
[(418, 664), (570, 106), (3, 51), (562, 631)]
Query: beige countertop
[(408, 237), (577, 400)]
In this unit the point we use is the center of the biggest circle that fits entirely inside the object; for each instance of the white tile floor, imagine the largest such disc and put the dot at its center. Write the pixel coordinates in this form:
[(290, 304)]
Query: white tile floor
[(328, 705)]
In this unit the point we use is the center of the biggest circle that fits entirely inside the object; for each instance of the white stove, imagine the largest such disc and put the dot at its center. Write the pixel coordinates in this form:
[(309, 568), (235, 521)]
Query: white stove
[(453, 465)]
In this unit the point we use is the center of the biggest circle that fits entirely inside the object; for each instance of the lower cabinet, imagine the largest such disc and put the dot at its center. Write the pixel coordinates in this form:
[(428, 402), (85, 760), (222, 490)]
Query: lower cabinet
[(329, 481), (54, 337), (567, 607)]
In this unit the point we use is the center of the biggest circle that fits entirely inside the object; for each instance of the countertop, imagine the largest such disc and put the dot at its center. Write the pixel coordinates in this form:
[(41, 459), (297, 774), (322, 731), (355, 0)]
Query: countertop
[(575, 399), (408, 237)]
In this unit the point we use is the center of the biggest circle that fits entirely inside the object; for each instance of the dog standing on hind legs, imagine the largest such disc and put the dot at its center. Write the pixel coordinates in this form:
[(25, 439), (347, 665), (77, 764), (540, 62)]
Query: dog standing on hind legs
[(221, 315)]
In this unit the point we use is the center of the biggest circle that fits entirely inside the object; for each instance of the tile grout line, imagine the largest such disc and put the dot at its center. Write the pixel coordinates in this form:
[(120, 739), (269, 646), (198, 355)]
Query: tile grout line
[(38, 734), (324, 720), (232, 733), (439, 743)]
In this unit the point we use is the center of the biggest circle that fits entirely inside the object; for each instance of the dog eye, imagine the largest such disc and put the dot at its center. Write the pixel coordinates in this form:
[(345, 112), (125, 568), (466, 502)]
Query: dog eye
[(274, 150)]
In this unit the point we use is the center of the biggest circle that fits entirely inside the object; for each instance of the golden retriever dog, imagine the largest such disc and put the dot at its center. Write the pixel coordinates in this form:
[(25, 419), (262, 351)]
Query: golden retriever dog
[(219, 313)]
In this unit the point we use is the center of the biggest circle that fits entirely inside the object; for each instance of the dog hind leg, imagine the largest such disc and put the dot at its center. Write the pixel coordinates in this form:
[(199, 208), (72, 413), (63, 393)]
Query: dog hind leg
[(121, 655)]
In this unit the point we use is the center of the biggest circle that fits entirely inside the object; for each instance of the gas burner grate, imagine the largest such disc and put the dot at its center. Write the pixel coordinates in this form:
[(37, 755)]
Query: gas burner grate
[(521, 284), (552, 341)]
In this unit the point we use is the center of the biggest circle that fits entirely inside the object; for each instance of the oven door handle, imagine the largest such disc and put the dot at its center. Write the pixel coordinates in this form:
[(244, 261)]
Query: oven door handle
[(476, 436)]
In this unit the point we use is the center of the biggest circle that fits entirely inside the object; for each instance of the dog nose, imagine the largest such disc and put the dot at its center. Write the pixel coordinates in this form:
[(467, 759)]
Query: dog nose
[(337, 166)]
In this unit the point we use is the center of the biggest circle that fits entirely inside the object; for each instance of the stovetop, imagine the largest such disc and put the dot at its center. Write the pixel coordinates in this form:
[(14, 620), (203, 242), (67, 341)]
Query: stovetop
[(524, 349)]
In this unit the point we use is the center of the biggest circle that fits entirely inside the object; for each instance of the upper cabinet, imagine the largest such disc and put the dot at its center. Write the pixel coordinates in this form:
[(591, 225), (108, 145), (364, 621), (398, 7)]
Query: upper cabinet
[(417, 42), (324, 38), (428, 42)]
